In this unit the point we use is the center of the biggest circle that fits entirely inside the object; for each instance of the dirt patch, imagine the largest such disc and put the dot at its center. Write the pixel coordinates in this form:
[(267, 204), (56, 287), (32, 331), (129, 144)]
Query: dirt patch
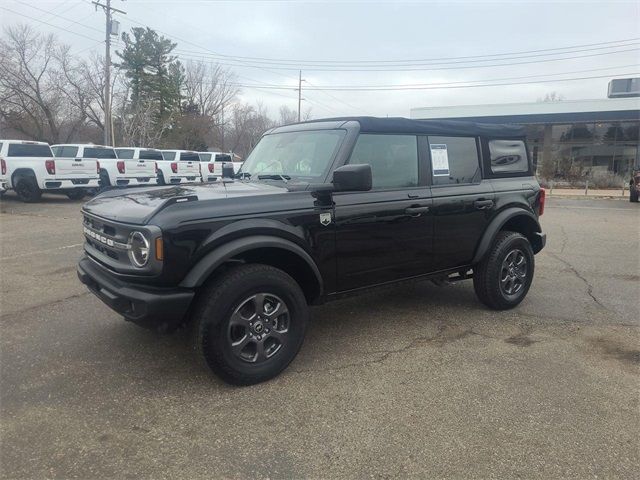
[(614, 349), (521, 340)]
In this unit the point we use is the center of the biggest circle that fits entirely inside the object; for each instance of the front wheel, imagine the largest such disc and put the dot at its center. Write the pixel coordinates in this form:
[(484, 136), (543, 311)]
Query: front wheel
[(503, 278), (250, 323)]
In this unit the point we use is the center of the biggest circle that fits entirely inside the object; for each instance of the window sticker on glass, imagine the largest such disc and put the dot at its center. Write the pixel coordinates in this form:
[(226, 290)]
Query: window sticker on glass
[(440, 160)]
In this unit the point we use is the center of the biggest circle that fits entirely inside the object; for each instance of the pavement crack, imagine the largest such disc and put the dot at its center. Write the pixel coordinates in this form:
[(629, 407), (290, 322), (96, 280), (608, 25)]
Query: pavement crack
[(565, 239), (7, 316), (581, 277)]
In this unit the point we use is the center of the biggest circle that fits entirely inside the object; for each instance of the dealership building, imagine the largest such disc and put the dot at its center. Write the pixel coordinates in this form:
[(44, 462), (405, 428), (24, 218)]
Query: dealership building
[(582, 135)]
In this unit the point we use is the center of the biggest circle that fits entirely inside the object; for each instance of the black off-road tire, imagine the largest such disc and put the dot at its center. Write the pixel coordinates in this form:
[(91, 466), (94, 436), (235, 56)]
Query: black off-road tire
[(212, 328), (633, 194), (27, 189), (76, 194), (487, 274)]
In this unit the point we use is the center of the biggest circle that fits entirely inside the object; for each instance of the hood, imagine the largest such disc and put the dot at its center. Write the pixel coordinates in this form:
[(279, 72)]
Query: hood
[(139, 205)]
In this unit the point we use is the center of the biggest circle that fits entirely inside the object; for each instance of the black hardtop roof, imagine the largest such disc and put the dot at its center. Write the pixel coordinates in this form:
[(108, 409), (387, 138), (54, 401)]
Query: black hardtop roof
[(433, 127)]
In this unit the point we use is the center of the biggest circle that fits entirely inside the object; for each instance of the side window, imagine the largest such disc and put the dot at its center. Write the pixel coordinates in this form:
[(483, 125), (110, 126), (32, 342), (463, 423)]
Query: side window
[(508, 156), (393, 159), (454, 160), (69, 151), (57, 151), (169, 155), (125, 153)]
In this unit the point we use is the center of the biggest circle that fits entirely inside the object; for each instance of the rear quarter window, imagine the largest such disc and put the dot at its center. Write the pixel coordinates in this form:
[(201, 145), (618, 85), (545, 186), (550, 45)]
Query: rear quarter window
[(29, 150), (508, 156)]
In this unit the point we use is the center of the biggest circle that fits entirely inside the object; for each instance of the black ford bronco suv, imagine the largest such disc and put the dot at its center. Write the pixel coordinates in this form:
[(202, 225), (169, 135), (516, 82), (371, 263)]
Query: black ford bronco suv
[(319, 209)]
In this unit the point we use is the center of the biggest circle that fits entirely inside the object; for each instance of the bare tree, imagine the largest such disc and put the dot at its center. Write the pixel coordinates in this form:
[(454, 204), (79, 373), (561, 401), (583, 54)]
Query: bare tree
[(287, 115), (552, 97), (43, 96), (209, 87)]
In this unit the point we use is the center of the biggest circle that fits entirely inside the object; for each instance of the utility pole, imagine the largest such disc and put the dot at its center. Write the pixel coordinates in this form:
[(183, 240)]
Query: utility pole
[(299, 93), (109, 30)]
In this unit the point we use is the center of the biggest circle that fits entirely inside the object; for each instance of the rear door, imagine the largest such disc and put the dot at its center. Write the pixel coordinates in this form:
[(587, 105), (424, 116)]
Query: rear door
[(189, 165), (387, 233), (463, 203)]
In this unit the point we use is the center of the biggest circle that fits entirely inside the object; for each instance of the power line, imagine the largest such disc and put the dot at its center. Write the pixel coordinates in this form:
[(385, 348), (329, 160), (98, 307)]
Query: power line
[(300, 62), (49, 24), (449, 86), (60, 16), (464, 67), (400, 86), (306, 64)]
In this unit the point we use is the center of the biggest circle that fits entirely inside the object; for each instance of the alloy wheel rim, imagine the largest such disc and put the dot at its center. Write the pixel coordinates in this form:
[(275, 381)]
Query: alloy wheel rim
[(259, 328), (513, 272)]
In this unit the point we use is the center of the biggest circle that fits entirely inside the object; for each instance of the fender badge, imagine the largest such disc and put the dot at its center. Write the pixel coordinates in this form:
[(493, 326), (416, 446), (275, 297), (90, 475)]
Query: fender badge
[(325, 219)]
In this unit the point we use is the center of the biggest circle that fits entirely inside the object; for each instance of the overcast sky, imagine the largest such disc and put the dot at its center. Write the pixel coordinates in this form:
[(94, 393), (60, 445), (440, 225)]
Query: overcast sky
[(374, 31)]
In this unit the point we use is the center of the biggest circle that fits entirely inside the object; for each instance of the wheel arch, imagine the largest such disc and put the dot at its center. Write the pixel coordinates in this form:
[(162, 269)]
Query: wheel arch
[(515, 220), (22, 171), (265, 249)]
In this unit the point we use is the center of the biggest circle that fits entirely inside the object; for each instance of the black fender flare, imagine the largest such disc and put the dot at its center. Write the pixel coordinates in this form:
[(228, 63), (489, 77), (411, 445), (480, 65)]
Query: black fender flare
[(18, 172), (212, 260), (496, 225)]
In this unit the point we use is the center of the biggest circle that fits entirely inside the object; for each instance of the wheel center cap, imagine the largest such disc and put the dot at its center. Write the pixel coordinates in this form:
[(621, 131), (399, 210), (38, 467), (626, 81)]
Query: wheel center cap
[(258, 327)]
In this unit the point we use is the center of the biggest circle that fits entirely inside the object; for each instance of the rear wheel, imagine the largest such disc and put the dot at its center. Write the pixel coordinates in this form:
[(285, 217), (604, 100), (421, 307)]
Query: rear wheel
[(633, 194), (161, 178), (250, 323), (502, 279), (76, 194), (27, 189)]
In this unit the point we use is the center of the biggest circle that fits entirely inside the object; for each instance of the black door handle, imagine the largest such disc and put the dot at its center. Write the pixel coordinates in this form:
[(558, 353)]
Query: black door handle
[(417, 211), (483, 204)]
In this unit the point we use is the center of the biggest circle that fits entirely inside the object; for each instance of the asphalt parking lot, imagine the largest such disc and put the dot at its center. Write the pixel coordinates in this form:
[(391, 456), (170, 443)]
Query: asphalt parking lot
[(417, 380)]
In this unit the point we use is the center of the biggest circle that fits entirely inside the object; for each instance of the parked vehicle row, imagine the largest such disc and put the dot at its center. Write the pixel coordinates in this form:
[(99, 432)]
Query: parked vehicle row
[(31, 168)]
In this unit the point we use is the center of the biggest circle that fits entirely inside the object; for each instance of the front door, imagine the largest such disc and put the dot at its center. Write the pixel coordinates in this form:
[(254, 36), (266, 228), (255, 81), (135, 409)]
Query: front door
[(387, 233)]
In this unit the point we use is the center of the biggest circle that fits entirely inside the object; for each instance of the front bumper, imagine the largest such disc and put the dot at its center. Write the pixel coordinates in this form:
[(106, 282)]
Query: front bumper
[(156, 308)]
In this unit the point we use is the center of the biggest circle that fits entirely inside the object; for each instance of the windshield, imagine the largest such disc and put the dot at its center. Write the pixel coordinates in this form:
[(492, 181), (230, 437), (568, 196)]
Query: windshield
[(306, 155)]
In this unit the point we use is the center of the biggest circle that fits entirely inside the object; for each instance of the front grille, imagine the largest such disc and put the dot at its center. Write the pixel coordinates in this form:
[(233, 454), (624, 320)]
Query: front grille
[(108, 240)]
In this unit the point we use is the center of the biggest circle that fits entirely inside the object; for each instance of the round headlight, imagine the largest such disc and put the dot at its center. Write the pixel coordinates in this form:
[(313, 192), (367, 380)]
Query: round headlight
[(138, 249)]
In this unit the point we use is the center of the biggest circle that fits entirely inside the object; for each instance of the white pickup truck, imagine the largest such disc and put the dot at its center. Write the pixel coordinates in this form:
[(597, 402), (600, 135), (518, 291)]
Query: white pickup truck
[(30, 168), (178, 166), (150, 156), (211, 164), (114, 172)]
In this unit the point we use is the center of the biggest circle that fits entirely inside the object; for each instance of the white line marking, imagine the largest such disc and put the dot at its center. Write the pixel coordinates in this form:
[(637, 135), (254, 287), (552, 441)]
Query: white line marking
[(41, 251)]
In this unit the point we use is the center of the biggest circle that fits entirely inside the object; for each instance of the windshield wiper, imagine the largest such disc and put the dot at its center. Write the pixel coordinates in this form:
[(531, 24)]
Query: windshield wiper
[(275, 176)]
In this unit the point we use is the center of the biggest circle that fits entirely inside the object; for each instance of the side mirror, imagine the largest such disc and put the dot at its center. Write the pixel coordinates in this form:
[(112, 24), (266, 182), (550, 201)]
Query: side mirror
[(227, 170), (352, 178)]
